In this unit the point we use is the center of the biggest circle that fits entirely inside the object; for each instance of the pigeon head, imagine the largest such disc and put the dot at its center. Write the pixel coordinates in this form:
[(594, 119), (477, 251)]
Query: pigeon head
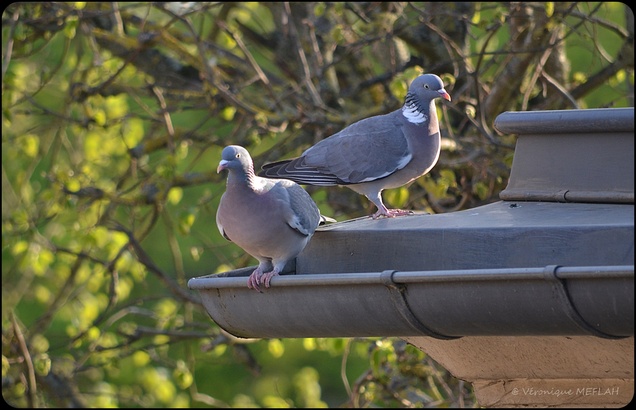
[(427, 87), (422, 91), (235, 158)]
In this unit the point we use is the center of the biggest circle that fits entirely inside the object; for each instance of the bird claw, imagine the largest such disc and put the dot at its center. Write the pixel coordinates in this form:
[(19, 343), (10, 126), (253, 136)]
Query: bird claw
[(254, 279), (391, 213), (267, 277), (258, 278)]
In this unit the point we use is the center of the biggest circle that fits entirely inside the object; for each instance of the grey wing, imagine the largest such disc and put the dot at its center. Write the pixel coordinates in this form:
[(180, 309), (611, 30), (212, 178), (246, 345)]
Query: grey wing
[(219, 224), (362, 152), (304, 215)]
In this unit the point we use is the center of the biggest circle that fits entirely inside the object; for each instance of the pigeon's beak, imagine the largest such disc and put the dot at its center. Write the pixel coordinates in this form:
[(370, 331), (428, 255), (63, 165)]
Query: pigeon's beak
[(444, 94), (222, 166)]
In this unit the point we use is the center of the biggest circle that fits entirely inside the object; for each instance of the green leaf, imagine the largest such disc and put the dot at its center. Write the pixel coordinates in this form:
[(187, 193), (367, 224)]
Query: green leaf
[(397, 197), (481, 190), (30, 144), (549, 8), (182, 375), (228, 112), (319, 9), (186, 221), (175, 195), (275, 347), (42, 364), (70, 28)]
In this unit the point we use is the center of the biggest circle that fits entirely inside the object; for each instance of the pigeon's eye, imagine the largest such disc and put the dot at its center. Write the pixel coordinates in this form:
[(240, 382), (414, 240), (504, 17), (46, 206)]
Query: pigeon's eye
[(426, 86), (238, 155)]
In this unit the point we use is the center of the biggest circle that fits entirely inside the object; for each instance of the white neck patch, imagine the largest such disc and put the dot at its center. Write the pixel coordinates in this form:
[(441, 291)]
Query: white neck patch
[(256, 183), (414, 116)]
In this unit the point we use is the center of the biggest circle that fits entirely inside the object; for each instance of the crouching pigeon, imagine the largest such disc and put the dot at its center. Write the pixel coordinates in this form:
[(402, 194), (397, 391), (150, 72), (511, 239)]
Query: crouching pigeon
[(376, 153), (272, 220)]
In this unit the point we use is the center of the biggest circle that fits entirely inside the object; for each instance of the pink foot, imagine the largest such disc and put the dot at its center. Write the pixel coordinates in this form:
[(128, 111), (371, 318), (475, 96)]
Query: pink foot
[(390, 213), (267, 277), (254, 280)]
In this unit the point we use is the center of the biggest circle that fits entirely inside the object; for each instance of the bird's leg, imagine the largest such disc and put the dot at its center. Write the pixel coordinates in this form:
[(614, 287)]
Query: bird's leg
[(255, 279), (400, 212), (389, 213), (381, 212), (376, 198), (267, 277)]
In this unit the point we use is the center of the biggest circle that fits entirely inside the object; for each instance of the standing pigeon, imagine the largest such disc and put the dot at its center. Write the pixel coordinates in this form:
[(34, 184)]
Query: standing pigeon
[(272, 220), (376, 153)]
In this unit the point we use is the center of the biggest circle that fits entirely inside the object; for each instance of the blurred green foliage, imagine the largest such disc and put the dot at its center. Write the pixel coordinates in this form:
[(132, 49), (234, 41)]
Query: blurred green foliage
[(113, 119)]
